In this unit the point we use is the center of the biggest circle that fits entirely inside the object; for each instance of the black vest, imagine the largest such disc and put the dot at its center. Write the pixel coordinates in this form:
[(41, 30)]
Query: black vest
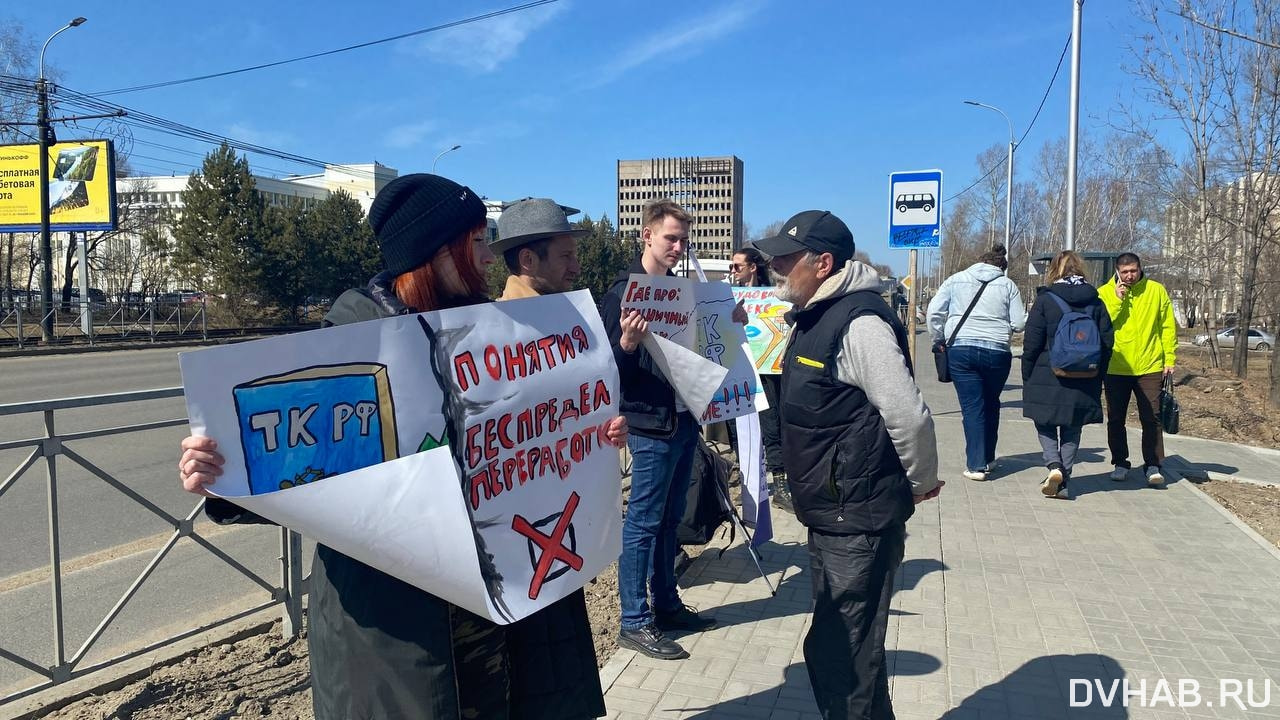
[(843, 469)]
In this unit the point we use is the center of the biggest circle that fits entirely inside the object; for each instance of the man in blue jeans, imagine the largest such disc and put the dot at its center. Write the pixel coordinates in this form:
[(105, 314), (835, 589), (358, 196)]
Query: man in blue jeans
[(663, 436)]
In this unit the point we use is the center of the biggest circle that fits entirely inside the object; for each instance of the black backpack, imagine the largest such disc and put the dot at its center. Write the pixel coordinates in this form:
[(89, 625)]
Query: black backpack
[(707, 507)]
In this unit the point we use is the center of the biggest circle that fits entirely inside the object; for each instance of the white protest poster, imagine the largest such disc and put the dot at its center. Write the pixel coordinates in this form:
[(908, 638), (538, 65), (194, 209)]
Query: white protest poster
[(767, 329), (667, 304), (311, 426), (697, 379), (698, 317), (723, 341)]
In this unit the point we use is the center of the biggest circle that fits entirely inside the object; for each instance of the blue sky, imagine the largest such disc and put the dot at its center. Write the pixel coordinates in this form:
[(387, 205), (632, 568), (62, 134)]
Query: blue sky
[(821, 100)]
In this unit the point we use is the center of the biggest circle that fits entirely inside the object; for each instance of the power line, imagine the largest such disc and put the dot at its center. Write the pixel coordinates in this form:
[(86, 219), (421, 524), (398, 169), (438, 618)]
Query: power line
[(138, 120), (423, 31), (1031, 125), (146, 121)]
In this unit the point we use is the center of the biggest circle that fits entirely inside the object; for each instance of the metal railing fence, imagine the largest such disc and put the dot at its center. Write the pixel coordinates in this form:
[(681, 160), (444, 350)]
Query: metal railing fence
[(54, 448), (99, 321)]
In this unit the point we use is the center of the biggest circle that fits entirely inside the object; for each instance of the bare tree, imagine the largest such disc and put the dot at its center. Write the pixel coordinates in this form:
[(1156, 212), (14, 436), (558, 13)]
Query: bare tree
[(135, 256), (1177, 72)]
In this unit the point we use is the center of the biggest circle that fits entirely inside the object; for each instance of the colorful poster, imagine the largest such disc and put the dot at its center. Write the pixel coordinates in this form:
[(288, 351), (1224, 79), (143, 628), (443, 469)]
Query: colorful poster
[(697, 317), (767, 329), (462, 451)]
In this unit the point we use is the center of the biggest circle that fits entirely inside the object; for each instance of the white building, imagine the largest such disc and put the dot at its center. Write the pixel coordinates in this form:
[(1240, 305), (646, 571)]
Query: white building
[(124, 265)]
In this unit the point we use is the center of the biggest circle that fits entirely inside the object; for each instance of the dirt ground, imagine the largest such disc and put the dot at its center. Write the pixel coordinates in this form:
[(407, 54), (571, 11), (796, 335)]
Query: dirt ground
[(1257, 505), (1218, 405)]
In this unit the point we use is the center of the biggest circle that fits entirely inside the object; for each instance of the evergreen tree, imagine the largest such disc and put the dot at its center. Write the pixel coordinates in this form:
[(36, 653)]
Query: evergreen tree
[(285, 275), (601, 254), (344, 251), (220, 236)]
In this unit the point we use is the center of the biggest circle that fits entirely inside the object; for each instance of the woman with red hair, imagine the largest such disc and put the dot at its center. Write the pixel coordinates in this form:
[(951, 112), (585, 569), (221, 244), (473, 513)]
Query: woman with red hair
[(380, 647)]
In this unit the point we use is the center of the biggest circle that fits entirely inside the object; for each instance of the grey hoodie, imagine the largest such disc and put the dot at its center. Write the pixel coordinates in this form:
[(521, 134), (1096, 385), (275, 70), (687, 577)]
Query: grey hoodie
[(999, 312), (869, 359)]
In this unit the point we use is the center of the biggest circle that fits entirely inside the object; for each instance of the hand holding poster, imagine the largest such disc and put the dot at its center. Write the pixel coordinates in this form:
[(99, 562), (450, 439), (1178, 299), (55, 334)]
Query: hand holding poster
[(698, 317), (517, 395)]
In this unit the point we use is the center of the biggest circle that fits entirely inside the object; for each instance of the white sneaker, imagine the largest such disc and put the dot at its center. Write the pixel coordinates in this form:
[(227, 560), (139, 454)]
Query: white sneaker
[(1051, 484), (991, 465), (1119, 474), (1154, 478), (977, 475)]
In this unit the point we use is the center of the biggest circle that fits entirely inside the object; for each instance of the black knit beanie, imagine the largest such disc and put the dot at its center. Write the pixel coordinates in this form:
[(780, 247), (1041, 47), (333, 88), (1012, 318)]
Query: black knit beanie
[(416, 215)]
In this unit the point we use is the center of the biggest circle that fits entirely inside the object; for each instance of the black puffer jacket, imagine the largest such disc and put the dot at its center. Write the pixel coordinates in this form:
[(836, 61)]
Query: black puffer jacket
[(1046, 398), (381, 648)]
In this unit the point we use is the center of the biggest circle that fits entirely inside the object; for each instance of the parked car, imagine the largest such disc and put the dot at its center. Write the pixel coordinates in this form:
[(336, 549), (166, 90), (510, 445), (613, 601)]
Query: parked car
[(1258, 339)]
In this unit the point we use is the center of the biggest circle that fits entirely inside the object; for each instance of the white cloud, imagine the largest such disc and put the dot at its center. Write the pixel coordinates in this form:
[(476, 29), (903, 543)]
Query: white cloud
[(409, 134), (484, 45), (682, 39), (266, 138)]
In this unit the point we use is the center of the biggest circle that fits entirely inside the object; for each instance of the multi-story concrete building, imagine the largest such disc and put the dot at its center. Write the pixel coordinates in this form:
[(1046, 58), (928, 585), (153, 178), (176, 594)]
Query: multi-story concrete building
[(1204, 267), (710, 188)]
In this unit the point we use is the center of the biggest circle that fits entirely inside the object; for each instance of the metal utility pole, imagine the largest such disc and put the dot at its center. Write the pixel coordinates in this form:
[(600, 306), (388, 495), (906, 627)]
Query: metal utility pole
[(1008, 192), (1073, 126), (45, 138)]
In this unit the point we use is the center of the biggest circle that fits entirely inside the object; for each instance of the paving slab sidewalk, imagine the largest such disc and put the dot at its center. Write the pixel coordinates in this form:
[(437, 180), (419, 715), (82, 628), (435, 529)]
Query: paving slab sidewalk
[(1007, 602)]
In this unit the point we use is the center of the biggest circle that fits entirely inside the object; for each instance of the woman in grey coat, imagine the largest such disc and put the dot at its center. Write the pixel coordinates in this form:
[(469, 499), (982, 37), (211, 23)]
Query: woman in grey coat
[(980, 357)]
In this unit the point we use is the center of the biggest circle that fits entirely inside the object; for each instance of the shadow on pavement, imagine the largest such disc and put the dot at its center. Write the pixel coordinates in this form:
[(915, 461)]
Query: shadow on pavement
[(795, 584), (795, 685), (1046, 688), (1007, 465)]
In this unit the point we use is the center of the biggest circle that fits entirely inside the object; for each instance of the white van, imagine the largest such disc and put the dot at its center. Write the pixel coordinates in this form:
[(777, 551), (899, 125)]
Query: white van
[(716, 270)]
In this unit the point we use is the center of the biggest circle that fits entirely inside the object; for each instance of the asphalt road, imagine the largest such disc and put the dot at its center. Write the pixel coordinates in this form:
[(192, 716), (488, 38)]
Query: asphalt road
[(92, 514), (106, 538)]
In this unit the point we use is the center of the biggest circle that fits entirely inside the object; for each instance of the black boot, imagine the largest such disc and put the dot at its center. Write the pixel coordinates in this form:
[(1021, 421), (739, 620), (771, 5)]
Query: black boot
[(782, 493)]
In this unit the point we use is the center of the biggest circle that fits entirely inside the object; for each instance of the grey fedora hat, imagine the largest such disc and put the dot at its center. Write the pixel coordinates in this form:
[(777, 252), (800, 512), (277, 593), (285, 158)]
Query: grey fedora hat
[(531, 219)]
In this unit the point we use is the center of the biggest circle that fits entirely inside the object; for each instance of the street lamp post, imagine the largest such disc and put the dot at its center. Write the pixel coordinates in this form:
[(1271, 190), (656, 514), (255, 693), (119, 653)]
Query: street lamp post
[(1073, 123), (1008, 193), (442, 154), (44, 131)]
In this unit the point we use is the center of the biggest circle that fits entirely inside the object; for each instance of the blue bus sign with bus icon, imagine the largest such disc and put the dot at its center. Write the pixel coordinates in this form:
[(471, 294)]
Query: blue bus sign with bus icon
[(915, 220)]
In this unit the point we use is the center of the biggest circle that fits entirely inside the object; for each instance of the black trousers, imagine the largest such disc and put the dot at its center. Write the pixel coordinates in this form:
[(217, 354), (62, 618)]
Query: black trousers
[(770, 428), (844, 650), (1146, 388)]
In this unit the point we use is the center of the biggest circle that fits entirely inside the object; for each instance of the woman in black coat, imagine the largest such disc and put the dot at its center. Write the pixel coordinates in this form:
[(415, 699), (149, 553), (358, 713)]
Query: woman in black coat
[(1061, 406), (379, 647)]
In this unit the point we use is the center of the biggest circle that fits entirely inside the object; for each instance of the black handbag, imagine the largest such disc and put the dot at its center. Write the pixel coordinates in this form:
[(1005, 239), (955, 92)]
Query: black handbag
[(940, 349), (1169, 410)]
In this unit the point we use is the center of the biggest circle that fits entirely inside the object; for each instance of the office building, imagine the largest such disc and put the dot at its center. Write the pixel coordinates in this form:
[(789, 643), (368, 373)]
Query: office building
[(710, 188)]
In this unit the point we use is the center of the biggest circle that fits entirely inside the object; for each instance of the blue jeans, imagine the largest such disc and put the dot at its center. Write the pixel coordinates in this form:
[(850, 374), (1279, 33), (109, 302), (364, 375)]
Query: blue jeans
[(660, 471), (979, 375)]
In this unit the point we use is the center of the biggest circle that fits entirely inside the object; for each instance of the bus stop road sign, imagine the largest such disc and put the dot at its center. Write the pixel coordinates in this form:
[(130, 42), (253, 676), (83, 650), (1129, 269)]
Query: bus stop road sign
[(915, 219)]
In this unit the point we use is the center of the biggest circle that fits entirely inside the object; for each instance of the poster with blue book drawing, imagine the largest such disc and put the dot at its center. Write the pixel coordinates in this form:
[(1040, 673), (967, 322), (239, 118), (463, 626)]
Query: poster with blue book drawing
[(463, 451)]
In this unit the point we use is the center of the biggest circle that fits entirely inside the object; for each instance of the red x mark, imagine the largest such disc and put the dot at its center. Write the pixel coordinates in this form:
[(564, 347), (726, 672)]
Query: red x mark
[(552, 545)]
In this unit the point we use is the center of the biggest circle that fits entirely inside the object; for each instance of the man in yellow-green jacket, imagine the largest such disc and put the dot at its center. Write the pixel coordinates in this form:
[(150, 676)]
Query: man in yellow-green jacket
[(1146, 344)]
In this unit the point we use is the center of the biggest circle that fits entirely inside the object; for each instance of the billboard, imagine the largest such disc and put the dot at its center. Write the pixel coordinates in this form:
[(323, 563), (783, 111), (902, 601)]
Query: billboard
[(82, 186)]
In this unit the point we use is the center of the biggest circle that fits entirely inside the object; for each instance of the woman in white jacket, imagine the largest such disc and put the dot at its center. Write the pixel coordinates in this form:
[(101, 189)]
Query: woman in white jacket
[(979, 357)]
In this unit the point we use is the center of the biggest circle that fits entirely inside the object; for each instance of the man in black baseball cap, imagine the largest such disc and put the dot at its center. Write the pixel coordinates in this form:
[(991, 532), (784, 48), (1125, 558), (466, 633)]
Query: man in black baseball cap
[(860, 452)]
